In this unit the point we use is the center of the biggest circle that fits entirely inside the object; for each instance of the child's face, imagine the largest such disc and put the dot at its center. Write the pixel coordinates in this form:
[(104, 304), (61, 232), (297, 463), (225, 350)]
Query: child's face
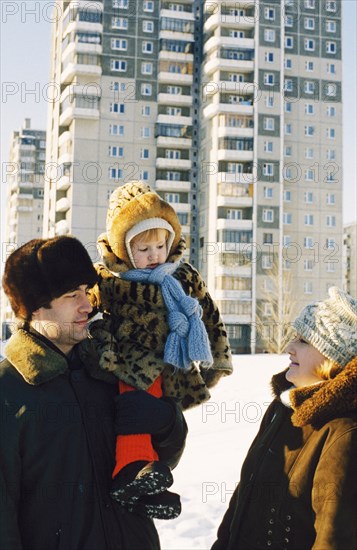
[(304, 360), (151, 251)]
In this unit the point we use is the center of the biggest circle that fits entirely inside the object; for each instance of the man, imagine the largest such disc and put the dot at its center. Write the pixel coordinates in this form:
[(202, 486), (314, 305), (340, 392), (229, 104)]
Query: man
[(57, 415)]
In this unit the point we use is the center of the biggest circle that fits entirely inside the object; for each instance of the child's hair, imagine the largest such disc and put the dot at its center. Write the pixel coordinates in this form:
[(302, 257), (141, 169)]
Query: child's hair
[(328, 369), (151, 234)]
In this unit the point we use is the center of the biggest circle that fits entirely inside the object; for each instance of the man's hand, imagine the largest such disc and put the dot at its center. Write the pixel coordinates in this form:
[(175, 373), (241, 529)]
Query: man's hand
[(138, 412)]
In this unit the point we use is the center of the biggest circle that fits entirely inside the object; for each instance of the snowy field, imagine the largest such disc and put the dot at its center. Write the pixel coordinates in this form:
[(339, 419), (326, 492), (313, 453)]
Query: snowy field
[(220, 433)]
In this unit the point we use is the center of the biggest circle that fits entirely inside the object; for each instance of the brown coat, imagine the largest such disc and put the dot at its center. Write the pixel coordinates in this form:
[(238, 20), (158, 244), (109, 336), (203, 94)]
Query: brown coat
[(298, 487)]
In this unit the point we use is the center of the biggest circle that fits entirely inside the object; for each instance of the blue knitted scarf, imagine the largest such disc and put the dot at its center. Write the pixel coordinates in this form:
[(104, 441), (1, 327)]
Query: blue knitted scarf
[(188, 339)]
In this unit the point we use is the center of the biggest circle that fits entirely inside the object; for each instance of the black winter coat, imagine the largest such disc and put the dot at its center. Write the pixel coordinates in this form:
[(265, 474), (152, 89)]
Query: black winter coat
[(57, 448)]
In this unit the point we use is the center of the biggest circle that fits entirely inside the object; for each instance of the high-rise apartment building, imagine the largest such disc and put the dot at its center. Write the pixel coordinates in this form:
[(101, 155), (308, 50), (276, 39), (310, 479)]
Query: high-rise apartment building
[(25, 189), (350, 258), (232, 111)]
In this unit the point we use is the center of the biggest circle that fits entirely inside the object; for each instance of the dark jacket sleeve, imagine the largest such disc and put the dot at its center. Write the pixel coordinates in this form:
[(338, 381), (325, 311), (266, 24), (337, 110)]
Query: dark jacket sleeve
[(224, 530), (10, 476), (170, 446)]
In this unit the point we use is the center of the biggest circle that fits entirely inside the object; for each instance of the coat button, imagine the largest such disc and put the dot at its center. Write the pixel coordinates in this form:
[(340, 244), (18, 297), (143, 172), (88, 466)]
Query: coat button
[(287, 529), (271, 521), (286, 540), (269, 542), (272, 510), (288, 518), (270, 532)]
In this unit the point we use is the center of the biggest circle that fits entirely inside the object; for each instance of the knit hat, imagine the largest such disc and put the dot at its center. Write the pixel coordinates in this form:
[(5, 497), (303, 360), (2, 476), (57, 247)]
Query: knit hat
[(44, 269), (131, 205), (331, 326)]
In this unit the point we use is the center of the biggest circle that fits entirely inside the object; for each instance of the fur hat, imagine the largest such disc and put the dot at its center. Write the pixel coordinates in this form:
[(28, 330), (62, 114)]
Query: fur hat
[(44, 269), (331, 326), (129, 206)]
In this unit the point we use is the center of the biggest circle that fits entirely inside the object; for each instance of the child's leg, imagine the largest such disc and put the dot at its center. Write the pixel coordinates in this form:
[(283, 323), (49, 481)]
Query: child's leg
[(132, 448)]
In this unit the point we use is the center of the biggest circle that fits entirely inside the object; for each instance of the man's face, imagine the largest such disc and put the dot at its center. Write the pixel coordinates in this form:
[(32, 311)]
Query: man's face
[(151, 251), (65, 322)]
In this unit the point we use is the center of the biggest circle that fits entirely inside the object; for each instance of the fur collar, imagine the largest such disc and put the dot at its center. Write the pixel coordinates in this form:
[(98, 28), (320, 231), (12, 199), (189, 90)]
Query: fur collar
[(116, 265), (322, 402), (38, 362)]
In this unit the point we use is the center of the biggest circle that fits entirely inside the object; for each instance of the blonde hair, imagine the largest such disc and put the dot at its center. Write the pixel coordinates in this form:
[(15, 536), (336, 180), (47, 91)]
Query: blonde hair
[(328, 369), (150, 234)]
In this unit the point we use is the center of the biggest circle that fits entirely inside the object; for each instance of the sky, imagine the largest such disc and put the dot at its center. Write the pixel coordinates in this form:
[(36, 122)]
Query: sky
[(25, 45)]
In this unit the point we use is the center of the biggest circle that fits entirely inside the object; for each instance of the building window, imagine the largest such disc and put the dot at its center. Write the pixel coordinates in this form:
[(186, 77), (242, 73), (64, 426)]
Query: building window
[(308, 219), (288, 107), (331, 47), (288, 151), (147, 47), (268, 192), (308, 195), (172, 176), (287, 218), (269, 79), (268, 215), (309, 109), (287, 196), (331, 111), (269, 13), (289, 20), (115, 173), (146, 89), (269, 101), (309, 66), (119, 44), (330, 133), (145, 132), (146, 110), (309, 23), (309, 44), (148, 6), (121, 4), (268, 310), (331, 89), (308, 242), (288, 63), (269, 57), (288, 85), (308, 265), (331, 26), (117, 108), (118, 65), (172, 154), (234, 214), (309, 4), (289, 42), (267, 238), (175, 90), (330, 267), (120, 23), (309, 153), (148, 26), (144, 154), (309, 87), (269, 35), (173, 111), (331, 243), (331, 154), (116, 130), (288, 129), (172, 197), (144, 175), (267, 262), (269, 124), (331, 221), (331, 68), (331, 6), (308, 287), (268, 169), (268, 146), (115, 151), (330, 199), (146, 68), (309, 131)]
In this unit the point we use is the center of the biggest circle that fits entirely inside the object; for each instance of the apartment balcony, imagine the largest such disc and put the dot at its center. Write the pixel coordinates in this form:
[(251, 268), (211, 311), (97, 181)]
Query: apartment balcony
[(72, 113), (232, 201), (232, 319), (23, 184), (216, 63), (62, 227), (243, 271), (165, 55), (182, 79), (65, 137), (214, 109), (22, 195), (243, 225), (63, 183), (27, 148), (235, 156), (84, 26), (227, 42), (174, 14), (220, 19), (183, 207), (80, 47), (62, 205), (169, 185), (227, 87), (233, 295), (174, 99), (173, 164), (234, 131), (174, 119), (65, 158), (22, 208), (80, 69), (174, 142)]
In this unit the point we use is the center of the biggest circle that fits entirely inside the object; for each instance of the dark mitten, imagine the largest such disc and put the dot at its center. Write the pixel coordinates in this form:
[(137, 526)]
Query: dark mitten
[(138, 412)]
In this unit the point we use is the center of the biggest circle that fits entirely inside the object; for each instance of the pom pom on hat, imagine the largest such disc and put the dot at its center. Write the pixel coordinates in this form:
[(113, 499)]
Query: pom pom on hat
[(331, 326)]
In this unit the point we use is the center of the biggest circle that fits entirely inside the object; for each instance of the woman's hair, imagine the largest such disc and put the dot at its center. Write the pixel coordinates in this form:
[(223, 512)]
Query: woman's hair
[(150, 234), (328, 369)]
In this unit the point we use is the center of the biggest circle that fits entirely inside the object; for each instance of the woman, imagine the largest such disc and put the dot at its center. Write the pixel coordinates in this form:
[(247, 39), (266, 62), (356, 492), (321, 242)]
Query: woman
[(298, 487)]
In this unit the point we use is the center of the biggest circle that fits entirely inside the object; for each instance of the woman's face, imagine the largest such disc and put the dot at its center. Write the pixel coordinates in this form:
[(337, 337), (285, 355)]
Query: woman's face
[(304, 360)]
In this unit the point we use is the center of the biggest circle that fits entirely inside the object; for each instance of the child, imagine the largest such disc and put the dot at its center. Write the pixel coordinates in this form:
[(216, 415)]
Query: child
[(298, 486), (161, 332)]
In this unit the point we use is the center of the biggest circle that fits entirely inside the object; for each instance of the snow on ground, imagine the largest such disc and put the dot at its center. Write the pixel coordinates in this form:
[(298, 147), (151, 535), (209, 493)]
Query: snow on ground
[(220, 433)]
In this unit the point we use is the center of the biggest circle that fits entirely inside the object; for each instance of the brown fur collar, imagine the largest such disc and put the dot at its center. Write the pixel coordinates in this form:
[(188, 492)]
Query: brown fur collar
[(38, 362), (116, 265), (322, 402)]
